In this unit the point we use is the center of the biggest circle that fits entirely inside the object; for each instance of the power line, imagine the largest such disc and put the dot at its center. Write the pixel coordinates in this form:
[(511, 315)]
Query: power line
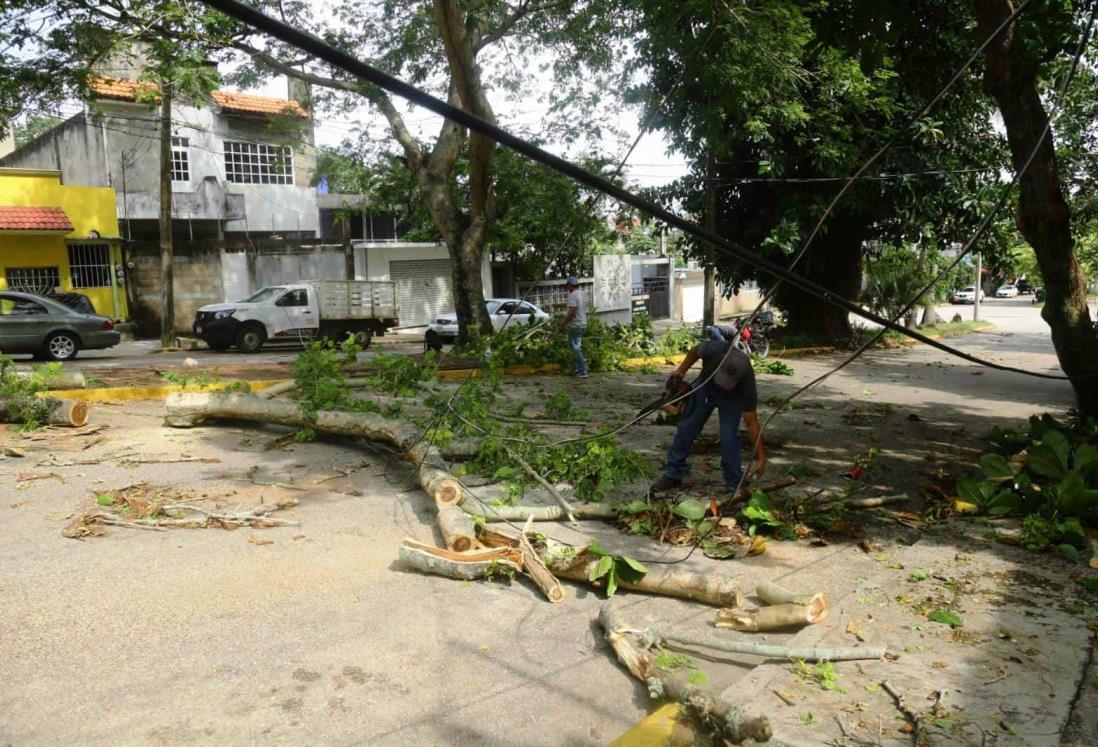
[(344, 61)]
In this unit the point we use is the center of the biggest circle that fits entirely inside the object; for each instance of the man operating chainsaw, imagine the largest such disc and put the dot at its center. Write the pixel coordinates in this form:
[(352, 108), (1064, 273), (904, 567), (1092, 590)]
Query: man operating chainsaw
[(726, 384)]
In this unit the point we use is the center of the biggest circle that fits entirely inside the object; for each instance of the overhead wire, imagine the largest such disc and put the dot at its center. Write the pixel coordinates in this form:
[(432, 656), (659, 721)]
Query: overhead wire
[(344, 61), (985, 224)]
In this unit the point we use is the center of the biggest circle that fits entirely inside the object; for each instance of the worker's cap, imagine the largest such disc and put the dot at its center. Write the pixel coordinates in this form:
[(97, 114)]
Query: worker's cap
[(572, 281)]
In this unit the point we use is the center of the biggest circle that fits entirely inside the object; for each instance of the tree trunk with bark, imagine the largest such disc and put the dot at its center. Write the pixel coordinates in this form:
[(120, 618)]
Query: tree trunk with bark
[(835, 262), (167, 295), (1011, 77)]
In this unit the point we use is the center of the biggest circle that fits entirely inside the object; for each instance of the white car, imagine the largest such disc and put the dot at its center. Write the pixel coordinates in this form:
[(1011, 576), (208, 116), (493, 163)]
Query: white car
[(499, 309), (1006, 291), (967, 295)]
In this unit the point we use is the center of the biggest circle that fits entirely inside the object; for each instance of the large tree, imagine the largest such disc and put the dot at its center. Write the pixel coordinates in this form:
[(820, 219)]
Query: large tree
[(464, 51), (1015, 73), (774, 102)]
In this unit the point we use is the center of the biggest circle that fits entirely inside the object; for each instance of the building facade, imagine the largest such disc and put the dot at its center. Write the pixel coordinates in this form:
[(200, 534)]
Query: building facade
[(60, 237)]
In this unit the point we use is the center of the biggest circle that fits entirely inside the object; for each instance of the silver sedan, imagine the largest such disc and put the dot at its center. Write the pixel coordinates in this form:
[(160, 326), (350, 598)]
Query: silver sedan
[(47, 329)]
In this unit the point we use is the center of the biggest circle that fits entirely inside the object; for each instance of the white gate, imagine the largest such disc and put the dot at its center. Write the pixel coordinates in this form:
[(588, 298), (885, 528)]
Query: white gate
[(424, 289)]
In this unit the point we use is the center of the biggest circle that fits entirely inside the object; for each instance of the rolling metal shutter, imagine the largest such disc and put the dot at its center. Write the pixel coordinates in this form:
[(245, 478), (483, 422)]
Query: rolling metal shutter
[(424, 289)]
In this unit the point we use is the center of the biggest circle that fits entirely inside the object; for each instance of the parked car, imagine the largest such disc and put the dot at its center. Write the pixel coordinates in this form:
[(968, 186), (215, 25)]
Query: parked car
[(1006, 291), (967, 295), (1024, 287), (47, 329), (445, 327), (301, 310)]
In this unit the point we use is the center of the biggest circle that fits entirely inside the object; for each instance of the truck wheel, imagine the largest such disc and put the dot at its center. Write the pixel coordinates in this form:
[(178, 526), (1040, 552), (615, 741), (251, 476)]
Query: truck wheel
[(250, 339), (362, 337)]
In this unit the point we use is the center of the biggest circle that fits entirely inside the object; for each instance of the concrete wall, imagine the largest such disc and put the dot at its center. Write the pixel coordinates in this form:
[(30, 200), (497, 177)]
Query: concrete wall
[(197, 282), (688, 304), (372, 260)]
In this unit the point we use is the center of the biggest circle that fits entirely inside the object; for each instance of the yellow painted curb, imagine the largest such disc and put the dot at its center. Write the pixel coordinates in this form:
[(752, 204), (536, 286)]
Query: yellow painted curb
[(657, 729), (134, 393), (553, 368)]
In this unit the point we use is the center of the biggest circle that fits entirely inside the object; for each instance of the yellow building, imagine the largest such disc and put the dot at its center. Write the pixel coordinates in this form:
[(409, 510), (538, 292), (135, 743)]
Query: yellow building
[(59, 237)]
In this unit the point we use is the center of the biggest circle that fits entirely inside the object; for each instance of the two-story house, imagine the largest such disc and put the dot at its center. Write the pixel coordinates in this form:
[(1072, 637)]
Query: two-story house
[(241, 170)]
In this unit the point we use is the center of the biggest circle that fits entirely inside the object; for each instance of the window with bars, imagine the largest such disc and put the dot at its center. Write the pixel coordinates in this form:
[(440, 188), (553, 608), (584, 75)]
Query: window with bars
[(90, 265), (181, 159), (40, 280), (255, 163)]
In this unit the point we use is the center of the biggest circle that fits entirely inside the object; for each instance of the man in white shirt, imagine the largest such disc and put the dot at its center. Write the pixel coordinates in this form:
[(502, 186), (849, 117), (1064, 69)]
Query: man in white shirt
[(575, 323)]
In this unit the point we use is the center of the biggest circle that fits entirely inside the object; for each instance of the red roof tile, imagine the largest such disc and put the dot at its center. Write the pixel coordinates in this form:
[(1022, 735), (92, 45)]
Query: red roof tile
[(18, 218), (123, 90), (127, 90), (246, 102)]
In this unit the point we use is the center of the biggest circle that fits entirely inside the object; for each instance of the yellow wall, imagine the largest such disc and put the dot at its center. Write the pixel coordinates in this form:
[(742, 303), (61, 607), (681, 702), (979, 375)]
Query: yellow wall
[(88, 208)]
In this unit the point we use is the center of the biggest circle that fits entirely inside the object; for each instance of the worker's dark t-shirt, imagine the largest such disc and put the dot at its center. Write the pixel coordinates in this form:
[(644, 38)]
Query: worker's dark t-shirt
[(734, 377)]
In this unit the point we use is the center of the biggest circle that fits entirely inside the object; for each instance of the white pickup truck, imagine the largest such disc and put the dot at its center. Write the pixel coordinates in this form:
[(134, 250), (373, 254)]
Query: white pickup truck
[(300, 310)]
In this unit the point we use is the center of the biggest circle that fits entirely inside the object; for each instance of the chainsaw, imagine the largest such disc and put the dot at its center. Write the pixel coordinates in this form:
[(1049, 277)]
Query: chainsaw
[(669, 401)]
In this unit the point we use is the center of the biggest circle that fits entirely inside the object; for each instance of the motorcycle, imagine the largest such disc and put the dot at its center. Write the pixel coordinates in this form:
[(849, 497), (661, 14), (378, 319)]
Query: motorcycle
[(753, 339)]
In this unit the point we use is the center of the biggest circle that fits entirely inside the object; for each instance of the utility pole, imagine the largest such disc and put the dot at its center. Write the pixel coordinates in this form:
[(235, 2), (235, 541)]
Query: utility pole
[(167, 295), (976, 297), (709, 295)]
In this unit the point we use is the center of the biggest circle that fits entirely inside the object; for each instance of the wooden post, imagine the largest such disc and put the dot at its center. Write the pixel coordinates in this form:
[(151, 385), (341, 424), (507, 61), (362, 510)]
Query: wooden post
[(167, 295)]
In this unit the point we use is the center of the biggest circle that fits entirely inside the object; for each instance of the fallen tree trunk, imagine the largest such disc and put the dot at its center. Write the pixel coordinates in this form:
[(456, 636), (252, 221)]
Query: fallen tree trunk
[(45, 410), (186, 409), (711, 714), (61, 380), (774, 617), (721, 591), (460, 565), (874, 502), (538, 513)]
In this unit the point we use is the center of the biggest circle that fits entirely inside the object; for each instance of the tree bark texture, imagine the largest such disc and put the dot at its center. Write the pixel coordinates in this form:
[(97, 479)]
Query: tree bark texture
[(835, 262), (1011, 77), (167, 294), (711, 714), (720, 591), (67, 412), (460, 565)]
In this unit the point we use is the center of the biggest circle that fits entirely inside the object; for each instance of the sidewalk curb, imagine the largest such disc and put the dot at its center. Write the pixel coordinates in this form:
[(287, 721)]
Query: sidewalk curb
[(135, 393)]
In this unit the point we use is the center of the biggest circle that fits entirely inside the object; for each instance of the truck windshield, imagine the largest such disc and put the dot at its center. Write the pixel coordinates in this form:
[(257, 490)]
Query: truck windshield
[(266, 295)]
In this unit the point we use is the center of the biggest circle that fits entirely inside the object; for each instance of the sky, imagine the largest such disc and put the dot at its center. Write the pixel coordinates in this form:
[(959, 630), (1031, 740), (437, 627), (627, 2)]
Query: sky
[(649, 166)]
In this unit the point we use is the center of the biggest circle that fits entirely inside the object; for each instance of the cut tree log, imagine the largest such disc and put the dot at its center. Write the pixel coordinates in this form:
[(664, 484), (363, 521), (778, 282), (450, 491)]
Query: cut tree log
[(769, 593), (712, 715), (467, 566), (47, 410), (61, 380), (873, 502), (774, 617), (576, 564), (536, 569), (458, 529), (538, 513)]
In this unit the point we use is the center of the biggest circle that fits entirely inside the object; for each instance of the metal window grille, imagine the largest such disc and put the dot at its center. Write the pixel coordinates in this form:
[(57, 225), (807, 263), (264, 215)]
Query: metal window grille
[(90, 265), (40, 280), (254, 163), (181, 159)]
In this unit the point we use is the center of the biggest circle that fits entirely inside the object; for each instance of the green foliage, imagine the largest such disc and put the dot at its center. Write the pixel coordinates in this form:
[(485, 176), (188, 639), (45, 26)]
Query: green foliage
[(19, 402), (560, 407), (196, 381), (1049, 474), (614, 569), (946, 617), (822, 674), (33, 126), (318, 372), (771, 366), (401, 375)]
